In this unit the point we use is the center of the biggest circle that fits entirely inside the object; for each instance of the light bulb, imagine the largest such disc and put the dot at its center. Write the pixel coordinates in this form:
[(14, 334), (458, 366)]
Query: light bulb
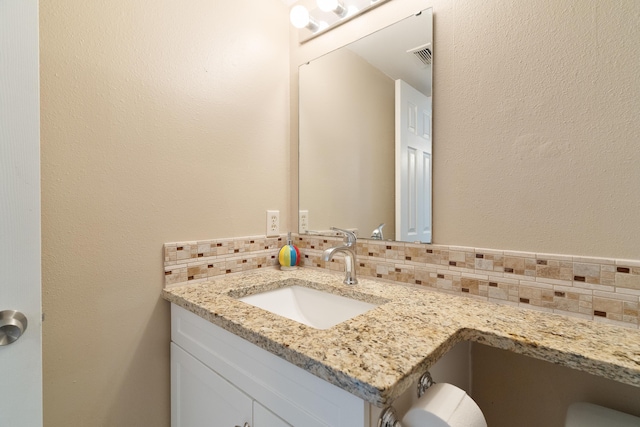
[(299, 16), (327, 5), (334, 6)]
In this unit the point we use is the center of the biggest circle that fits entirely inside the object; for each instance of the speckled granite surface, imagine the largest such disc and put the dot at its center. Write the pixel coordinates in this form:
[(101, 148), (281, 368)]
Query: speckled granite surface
[(379, 354)]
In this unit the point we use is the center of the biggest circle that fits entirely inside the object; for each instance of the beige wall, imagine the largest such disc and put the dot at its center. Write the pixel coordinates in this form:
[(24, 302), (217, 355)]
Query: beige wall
[(535, 121), (161, 121), (338, 168)]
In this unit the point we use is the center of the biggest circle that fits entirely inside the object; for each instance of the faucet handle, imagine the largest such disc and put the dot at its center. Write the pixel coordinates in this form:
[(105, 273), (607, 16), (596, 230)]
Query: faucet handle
[(377, 233), (349, 236)]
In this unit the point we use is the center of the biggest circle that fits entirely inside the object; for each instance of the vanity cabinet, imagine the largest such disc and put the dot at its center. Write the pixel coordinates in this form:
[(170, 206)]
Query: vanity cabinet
[(220, 379)]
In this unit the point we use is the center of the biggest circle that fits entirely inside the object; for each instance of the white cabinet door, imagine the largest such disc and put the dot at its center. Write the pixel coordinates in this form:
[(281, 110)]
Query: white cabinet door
[(202, 398), (262, 417)]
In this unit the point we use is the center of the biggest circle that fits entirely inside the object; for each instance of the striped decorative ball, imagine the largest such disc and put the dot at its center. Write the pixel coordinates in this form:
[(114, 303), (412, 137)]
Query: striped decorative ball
[(289, 256)]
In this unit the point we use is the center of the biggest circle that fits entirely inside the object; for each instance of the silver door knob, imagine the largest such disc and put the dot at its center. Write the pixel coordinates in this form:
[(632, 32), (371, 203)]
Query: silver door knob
[(245, 425), (12, 326)]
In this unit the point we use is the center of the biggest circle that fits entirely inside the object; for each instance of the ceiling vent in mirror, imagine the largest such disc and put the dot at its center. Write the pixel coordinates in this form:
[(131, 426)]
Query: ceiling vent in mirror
[(422, 54)]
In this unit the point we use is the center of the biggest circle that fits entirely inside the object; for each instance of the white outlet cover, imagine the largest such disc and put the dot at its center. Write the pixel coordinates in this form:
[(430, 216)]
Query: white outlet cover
[(273, 223), (303, 221)]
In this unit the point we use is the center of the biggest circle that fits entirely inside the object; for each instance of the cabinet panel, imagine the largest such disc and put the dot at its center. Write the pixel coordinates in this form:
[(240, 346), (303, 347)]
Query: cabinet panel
[(262, 417), (201, 398)]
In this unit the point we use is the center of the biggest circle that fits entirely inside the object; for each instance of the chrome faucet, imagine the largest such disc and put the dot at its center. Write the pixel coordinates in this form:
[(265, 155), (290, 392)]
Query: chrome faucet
[(349, 251)]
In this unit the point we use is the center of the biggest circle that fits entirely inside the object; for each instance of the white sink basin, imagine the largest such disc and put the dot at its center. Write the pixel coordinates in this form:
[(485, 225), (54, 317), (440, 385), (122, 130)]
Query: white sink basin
[(320, 310)]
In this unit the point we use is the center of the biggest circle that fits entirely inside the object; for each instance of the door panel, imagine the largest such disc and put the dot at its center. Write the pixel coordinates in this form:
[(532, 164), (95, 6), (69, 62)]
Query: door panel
[(20, 361)]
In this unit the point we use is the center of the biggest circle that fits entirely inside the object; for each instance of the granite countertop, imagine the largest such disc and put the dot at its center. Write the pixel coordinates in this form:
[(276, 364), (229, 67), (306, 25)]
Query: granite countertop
[(379, 354)]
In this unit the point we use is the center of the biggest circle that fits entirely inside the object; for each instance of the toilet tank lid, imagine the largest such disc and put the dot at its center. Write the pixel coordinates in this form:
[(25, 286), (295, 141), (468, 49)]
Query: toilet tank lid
[(583, 414)]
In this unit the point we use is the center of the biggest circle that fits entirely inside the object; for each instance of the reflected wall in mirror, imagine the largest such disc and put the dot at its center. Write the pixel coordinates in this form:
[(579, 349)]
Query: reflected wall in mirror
[(365, 135)]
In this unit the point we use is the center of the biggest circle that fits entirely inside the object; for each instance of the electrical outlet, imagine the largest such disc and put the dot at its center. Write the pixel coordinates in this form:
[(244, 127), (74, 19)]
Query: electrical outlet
[(273, 223), (303, 221)]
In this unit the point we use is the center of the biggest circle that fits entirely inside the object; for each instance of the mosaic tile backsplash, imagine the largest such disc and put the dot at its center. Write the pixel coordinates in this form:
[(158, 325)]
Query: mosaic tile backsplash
[(601, 289), (191, 262)]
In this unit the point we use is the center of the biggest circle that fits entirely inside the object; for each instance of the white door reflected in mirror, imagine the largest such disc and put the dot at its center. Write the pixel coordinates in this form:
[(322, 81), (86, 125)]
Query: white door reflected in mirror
[(413, 164)]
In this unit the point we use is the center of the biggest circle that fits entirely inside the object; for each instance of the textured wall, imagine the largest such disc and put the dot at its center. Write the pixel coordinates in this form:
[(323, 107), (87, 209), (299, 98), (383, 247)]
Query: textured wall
[(161, 121), (536, 126), (535, 121)]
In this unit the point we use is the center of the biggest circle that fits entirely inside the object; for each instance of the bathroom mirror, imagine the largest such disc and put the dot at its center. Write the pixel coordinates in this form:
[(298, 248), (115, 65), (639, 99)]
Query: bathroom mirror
[(365, 135)]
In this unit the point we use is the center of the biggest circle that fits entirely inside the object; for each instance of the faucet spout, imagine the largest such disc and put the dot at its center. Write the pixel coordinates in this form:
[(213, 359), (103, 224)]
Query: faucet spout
[(349, 251), (328, 254)]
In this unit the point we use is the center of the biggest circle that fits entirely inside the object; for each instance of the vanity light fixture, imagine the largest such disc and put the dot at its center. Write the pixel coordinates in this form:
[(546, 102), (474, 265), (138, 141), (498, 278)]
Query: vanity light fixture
[(328, 15)]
